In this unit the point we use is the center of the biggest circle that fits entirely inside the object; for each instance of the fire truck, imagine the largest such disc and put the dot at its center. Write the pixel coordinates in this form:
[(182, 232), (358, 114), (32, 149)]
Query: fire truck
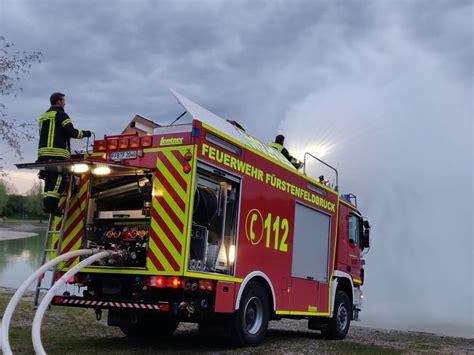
[(209, 225)]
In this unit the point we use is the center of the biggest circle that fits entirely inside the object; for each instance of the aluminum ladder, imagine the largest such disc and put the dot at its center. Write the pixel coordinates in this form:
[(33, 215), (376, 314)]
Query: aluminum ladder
[(48, 245)]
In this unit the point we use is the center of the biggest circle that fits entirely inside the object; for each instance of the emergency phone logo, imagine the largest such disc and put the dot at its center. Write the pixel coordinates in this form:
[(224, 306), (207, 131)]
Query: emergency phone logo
[(254, 226), (273, 227)]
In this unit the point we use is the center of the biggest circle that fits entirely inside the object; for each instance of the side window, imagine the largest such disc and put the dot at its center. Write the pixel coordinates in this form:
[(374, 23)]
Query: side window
[(354, 229)]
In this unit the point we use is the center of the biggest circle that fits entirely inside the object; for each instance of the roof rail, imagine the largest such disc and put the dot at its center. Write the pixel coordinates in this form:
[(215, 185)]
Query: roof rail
[(329, 166)]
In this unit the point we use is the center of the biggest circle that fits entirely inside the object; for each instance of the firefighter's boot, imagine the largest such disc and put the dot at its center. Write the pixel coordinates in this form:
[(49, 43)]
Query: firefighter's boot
[(50, 206)]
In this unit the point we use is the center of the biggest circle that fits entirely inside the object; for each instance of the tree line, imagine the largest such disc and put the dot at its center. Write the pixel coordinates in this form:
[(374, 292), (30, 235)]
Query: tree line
[(13, 65), (16, 206)]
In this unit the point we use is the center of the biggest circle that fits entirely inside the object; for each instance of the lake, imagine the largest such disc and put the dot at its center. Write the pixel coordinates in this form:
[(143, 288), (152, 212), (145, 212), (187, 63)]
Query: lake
[(19, 257)]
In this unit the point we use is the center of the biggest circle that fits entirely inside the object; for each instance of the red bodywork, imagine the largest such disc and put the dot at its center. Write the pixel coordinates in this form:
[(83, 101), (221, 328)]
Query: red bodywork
[(260, 199)]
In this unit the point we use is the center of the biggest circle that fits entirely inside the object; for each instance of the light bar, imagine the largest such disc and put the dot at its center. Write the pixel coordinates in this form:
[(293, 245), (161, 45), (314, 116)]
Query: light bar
[(101, 170), (80, 168)]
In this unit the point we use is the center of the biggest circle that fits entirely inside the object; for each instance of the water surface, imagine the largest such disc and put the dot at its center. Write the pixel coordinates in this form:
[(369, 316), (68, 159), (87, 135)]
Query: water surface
[(21, 256)]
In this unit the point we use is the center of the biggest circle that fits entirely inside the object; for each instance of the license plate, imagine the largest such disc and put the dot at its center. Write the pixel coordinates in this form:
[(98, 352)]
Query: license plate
[(129, 154)]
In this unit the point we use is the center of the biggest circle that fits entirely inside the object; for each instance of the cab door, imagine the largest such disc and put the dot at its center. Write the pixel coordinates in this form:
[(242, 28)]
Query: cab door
[(355, 236)]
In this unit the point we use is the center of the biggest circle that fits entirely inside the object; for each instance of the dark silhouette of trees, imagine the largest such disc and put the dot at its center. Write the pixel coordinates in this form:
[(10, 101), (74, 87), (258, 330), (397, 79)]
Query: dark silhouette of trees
[(12, 65), (29, 206)]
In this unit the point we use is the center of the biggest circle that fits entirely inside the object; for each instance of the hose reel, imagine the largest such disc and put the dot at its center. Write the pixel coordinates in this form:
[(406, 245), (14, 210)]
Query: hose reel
[(205, 205)]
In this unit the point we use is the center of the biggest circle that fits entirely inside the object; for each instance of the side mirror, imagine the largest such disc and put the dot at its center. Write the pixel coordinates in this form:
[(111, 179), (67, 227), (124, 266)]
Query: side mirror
[(366, 234)]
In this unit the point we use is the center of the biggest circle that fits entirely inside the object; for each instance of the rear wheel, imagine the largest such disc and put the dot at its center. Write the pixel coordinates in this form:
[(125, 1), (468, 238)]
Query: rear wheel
[(338, 325), (250, 323)]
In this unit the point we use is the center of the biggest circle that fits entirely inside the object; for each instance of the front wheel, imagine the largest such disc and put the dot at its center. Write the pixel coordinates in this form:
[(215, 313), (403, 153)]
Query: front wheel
[(250, 323), (341, 319)]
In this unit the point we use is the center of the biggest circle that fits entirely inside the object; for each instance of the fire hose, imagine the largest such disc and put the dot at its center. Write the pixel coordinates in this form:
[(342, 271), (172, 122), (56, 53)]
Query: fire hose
[(7, 315), (36, 330)]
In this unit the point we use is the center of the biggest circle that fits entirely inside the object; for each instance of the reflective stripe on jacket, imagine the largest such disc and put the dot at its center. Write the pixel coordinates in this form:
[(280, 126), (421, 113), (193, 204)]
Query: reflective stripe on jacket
[(277, 146), (55, 131), (281, 149)]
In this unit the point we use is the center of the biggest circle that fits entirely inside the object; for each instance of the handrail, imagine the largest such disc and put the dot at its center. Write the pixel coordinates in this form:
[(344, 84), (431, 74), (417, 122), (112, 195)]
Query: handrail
[(87, 143), (329, 166), (114, 136)]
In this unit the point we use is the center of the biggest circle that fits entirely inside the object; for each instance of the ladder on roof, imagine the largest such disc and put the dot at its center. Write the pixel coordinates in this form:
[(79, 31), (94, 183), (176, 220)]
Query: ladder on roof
[(49, 247)]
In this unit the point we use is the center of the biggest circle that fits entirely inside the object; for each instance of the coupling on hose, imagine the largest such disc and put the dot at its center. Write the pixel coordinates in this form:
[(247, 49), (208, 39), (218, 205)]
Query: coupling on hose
[(118, 257)]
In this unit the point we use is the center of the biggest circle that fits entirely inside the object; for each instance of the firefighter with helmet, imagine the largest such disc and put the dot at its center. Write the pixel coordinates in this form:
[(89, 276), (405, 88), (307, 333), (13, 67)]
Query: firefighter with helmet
[(55, 132), (278, 145)]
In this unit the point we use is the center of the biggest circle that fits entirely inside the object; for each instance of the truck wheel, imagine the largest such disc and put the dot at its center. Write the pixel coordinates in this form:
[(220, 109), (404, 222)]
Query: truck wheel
[(341, 319), (250, 323), (150, 327)]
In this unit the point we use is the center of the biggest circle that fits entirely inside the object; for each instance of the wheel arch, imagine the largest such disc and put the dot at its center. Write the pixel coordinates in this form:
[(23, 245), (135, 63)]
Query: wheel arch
[(261, 278), (341, 281)]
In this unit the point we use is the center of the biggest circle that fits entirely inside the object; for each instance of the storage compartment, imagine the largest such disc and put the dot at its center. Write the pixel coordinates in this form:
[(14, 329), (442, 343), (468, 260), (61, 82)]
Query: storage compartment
[(213, 231), (311, 243), (119, 218)]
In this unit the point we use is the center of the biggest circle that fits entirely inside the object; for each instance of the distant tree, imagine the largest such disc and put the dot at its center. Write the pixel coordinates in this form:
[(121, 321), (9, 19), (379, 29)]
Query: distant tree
[(3, 196), (11, 189), (34, 201), (12, 65), (16, 206), (6, 189)]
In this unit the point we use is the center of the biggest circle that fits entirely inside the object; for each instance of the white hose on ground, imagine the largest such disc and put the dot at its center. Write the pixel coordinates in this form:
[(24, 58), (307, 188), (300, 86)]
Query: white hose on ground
[(7, 315), (36, 330)]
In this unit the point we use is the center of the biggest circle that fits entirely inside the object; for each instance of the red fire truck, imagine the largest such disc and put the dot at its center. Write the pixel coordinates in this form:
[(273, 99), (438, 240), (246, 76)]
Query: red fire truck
[(213, 226)]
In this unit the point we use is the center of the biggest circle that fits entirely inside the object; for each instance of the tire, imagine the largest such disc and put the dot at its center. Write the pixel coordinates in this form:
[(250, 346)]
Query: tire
[(250, 323), (338, 325), (150, 326)]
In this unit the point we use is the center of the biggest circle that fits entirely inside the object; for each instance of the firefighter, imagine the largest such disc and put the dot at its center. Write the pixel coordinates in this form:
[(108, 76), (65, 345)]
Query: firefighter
[(278, 145), (324, 181), (55, 131)]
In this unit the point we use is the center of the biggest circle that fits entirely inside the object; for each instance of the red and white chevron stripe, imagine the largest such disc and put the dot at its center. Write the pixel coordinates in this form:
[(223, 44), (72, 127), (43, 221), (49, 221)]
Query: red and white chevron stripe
[(60, 301)]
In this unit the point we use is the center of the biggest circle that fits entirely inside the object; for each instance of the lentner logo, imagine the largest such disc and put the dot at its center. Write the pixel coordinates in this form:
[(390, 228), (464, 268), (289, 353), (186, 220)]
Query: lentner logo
[(171, 141)]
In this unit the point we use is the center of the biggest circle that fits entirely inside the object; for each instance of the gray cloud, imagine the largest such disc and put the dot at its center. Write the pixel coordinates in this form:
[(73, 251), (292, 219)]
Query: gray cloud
[(401, 133), (386, 86)]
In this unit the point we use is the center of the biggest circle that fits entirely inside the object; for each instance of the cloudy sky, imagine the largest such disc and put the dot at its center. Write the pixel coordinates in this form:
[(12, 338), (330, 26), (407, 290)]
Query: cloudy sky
[(383, 90)]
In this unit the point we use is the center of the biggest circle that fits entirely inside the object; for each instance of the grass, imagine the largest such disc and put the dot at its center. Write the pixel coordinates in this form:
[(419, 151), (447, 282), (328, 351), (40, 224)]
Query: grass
[(349, 347), (76, 331)]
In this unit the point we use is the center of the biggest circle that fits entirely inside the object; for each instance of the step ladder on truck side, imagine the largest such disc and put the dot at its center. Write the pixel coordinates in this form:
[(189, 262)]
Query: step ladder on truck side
[(49, 246)]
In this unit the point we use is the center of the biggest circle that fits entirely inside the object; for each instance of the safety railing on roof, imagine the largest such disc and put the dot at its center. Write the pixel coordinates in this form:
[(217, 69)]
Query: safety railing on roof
[(87, 143), (336, 187)]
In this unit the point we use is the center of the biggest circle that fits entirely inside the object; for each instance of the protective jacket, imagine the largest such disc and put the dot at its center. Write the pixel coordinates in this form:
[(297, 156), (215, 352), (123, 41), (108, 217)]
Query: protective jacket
[(281, 149), (56, 130)]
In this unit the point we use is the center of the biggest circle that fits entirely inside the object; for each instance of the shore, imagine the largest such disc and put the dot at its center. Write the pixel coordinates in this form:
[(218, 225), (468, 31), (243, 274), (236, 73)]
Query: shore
[(18, 229), (23, 224), (76, 331)]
